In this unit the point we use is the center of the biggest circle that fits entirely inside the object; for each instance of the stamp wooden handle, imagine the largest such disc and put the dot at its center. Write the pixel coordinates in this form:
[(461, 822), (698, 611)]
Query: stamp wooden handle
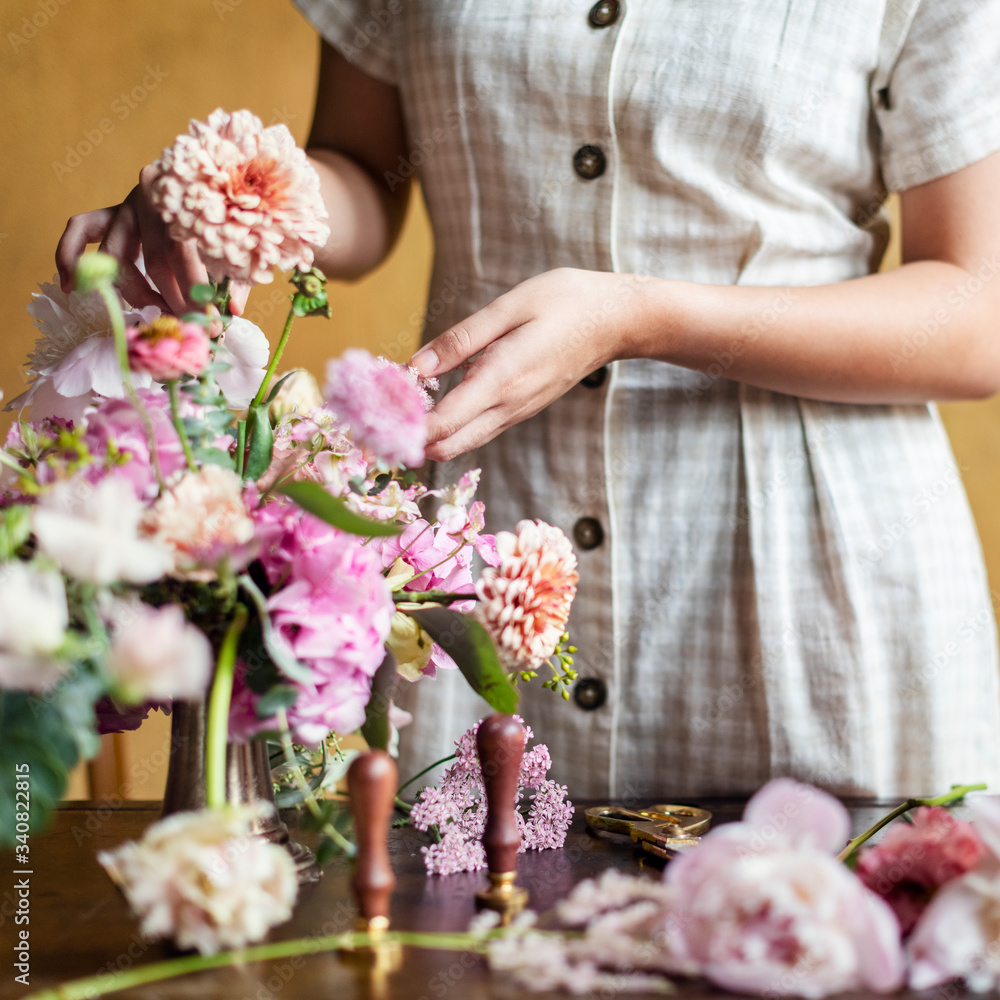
[(371, 784), (500, 742)]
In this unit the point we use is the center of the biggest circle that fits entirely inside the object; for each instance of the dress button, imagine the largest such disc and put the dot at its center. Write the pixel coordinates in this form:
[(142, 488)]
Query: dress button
[(588, 533), (596, 378), (604, 12), (590, 693), (589, 162)]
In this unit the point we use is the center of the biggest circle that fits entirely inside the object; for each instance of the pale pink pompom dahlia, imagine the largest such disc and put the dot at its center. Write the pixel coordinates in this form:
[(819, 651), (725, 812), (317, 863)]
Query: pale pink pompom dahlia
[(384, 405), (525, 601), (246, 194), (168, 349)]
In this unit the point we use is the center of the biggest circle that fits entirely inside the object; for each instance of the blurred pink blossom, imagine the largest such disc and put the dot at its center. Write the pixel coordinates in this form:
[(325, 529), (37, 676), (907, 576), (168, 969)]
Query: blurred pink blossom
[(167, 349), (246, 194), (915, 859), (386, 410)]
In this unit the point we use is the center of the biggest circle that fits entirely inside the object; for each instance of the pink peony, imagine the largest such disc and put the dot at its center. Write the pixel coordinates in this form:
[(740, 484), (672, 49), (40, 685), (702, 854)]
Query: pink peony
[(201, 520), (168, 349), (334, 612), (915, 859), (958, 936), (763, 906), (525, 602), (385, 408), (246, 194)]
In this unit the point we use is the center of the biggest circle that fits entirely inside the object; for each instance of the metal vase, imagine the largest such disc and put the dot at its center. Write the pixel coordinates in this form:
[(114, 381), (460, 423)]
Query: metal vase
[(248, 779)]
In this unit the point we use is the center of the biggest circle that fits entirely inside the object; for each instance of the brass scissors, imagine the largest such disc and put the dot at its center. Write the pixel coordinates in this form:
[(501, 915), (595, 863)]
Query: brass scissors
[(662, 830)]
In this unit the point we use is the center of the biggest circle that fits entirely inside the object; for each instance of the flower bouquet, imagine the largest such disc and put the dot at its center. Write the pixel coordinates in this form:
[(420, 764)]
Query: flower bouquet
[(176, 522)]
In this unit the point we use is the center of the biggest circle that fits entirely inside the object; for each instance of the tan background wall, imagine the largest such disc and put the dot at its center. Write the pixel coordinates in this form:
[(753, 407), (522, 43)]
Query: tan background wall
[(94, 90)]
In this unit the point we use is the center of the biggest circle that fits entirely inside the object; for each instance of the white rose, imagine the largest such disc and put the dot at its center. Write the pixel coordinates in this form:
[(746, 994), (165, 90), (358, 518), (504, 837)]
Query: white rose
[(33, 621)]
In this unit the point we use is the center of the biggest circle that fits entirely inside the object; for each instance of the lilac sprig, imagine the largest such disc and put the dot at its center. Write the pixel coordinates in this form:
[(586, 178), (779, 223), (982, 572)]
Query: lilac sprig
[(457, 808)]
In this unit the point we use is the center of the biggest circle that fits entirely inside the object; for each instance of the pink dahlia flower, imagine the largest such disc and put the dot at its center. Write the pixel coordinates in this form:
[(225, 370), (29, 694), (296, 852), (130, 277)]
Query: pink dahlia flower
[(915, 859), (246, 194), (525, 601), (763, 906), (382, 403), (168, 349)]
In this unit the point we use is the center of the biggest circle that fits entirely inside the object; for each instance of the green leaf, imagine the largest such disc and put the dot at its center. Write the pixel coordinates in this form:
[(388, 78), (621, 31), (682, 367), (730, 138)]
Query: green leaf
[(261, 438), (472, 649), (15, 527), (214, 456), (281, 696), (202, 294), (376, 728), (277, 385), (314, 499)]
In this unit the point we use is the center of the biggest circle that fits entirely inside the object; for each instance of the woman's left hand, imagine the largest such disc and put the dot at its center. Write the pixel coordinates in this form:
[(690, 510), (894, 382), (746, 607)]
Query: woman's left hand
[(537, 341)]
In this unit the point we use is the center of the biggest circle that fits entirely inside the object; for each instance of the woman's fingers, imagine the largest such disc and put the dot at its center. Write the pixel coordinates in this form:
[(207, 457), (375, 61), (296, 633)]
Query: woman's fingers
[(89, 227), (464, 340), (239, 292)]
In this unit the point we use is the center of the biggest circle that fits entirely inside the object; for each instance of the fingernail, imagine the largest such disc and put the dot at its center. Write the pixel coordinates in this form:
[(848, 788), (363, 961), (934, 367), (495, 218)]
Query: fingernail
[(426, 360)]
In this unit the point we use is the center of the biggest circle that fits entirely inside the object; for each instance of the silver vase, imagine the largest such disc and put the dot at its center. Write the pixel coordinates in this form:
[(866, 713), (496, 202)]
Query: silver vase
[(248, 779)]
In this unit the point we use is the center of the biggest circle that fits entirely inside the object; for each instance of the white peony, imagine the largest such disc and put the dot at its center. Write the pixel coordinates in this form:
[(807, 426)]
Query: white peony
[(204, 881), (245, 349), (33, 621), (157, 655), (74, 359), (92, 533)]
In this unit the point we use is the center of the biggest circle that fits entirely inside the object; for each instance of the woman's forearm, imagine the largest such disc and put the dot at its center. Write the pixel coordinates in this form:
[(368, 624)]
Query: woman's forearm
[(365, 217), (928, 330)]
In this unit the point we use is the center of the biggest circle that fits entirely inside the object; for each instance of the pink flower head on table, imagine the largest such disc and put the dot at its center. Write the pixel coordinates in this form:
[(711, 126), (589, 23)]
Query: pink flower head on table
[(202, 880), (958, 936), (383, 404), (525, 601), (168, 349), (246, 194), (458, 808), (915, 859)]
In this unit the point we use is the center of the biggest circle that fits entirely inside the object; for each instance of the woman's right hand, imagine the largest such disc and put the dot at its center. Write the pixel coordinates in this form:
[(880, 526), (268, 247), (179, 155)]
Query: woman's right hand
[(132, 228)]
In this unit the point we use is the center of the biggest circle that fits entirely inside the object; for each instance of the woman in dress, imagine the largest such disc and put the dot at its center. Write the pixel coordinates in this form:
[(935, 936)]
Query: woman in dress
[(660, 224)]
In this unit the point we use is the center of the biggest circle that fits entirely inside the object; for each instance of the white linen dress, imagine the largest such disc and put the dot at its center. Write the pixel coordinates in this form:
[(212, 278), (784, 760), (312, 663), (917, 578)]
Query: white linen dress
[(769, 585)]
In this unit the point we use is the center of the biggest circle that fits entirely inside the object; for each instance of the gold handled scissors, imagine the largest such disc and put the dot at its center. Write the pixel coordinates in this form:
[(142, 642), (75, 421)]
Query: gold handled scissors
[(662, 830)]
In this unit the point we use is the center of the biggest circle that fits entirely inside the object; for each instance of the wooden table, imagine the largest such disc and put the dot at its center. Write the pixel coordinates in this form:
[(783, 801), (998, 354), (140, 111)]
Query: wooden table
[(80, 924)]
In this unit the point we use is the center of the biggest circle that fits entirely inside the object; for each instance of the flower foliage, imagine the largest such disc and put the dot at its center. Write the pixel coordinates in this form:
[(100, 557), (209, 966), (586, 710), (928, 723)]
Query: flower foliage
[(457, 808)]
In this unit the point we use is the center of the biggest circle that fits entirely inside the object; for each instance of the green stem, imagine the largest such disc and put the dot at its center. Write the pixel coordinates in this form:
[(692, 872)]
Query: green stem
[(957, 792), (241, 444), (278, 351), (307, 793), (402, 806), (175, 412), (94, 986), (430, 767), (218, 712), (430, 597)]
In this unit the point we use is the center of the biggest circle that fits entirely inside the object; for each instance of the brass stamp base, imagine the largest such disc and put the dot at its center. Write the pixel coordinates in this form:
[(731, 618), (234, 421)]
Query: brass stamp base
[(503, 895), (380, 956)]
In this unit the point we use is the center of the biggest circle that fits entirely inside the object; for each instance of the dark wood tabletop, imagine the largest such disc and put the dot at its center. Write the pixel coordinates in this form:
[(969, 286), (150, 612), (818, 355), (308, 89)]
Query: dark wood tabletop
[(80, 924)]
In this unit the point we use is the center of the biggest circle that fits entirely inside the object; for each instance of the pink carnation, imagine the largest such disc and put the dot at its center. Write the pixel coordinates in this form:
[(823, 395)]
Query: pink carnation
[(525, 602), (385, 408), (915, 859), (168, 349), (246, 194)]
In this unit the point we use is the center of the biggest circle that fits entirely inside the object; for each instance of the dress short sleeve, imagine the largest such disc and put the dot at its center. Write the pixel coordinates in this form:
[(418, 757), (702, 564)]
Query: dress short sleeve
[(941, 110), (362, 30)]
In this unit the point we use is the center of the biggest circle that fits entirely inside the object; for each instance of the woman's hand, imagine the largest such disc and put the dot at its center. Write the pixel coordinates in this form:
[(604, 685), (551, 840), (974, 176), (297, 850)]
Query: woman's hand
[(537, 341), (124, 231)]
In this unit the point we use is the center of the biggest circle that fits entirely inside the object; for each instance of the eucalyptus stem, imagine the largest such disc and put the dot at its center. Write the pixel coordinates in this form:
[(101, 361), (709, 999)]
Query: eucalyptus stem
[(420, 774), (957, 792), (218, 712), (175, 413), (430, 597), (308, 796), (241, 443), (278, 351)]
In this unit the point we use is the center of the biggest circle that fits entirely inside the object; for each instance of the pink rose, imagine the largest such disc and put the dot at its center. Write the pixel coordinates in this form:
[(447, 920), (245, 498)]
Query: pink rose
[(168, 349)]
